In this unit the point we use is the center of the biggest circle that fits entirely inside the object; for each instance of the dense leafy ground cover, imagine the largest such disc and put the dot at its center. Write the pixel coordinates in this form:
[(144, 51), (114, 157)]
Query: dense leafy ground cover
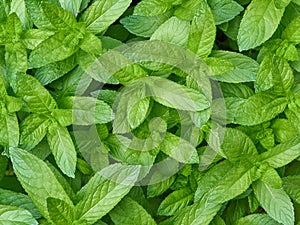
[(150, 112)]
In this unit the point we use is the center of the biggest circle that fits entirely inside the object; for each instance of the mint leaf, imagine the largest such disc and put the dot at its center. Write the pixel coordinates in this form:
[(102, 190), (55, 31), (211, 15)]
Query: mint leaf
[(256, 219), (104, 191), (174, 31), (203, 31), (60, 212), (42, 183), (275, 201), (15, 215), (62, 148), (57, 47), (129, 210), (102, 13), (258, 24)]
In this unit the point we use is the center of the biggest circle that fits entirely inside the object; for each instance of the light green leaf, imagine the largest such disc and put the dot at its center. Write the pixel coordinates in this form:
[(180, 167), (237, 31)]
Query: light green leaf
[(137, 114), (201, 212), (257, 219), (291, 32), (174, 31), (35, 96), (282, 154), (54, 71), (33, 37), (124, 69), (13, 26), (224, 10), (9, 132), (58, 17), (15, 215), (218, 66), (291, 186), (175, 202), (245, 68), (71, 6), (203, 31), (36, 13), (91, 44), (62, 148), (42, 183), (60, 212), (103, 191), (33, 129), (236, 148), (144, 26), (128, 211), (257, 109), (159, 184), (179, 149), (16, 58), (259, 22), (274, 73), (175, 95), (18, 7), (152, 7), (284, 130), (236, 90), (56, 48), (20, 200), (276, 202), (87, 110), (103, 13)]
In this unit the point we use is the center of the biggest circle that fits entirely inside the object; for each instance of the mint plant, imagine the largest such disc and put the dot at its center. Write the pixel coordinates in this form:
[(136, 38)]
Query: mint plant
[(165, 112)]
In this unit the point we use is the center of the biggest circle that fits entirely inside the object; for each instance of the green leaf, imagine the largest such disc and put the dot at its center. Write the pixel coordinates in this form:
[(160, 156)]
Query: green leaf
[(179, 149), (152, 7), (274, 73), (225, 10), (218, 66), (9, 132), (62, 148), (103, 13), (144, 26), (282, 154), (236, 148), (291, 186), (91, 44), (33, 37), (37, 15), (245, 68), (137, 114), (60, 212), (18, 7), (203, 31), (159, 184), (42, 183), (176, 96), (15, 215), (20, 200), (257, 219), (56, 48), (291, 32), (175, 202), (71, 6), (284, 130), (33, 129), (87, 110), (257, 109), (16, 58), (36, 97), (200, 212), (58, 17), (54, 71), (103, 191), (174, 31), (259, 22), (13, 26), (128, 211), (276, 202)]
